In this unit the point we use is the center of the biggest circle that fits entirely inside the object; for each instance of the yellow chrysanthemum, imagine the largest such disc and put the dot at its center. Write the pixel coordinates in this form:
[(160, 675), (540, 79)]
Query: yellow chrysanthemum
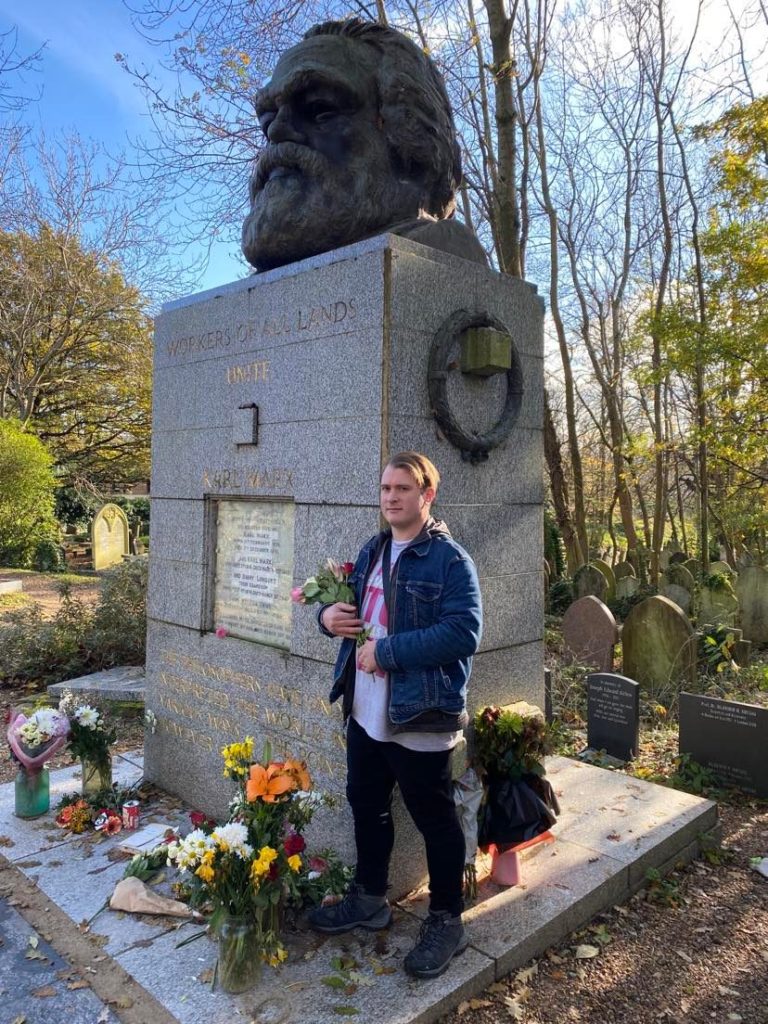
[(206, 873), (294, 862), (276, 958)]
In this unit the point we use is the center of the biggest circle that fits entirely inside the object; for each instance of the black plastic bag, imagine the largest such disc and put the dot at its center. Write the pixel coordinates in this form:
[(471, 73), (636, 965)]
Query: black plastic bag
[(516, 811)]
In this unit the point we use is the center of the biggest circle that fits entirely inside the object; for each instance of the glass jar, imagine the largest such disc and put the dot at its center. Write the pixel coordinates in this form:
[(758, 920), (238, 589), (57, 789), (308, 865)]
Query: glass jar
[(240, 959), (97, 775), (32, 793)]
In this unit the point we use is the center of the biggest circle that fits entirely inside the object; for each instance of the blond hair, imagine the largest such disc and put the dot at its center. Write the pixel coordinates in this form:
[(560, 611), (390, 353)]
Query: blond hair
[(423, 471)]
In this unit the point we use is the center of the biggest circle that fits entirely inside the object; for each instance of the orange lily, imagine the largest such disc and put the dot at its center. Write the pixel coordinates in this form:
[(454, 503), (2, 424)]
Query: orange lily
[(267, 783), (298, 770)]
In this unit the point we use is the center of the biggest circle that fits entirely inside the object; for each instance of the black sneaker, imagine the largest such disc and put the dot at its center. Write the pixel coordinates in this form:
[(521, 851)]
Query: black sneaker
[(357, 910), (442, 937)]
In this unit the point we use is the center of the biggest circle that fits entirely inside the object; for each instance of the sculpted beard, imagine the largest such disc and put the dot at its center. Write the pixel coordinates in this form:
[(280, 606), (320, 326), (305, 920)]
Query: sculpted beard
[(303, 204)]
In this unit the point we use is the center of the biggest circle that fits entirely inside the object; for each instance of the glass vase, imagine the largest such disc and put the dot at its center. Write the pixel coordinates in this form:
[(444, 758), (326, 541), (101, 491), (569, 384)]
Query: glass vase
[(32, 792), (97, 775), (240, 959)]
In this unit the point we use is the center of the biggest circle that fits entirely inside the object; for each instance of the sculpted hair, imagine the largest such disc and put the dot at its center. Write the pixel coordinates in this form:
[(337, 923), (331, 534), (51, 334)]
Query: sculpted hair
[(414, 107), (422, 469)]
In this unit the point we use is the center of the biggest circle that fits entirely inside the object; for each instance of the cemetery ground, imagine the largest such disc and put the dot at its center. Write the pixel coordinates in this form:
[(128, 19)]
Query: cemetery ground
[(690, 948)]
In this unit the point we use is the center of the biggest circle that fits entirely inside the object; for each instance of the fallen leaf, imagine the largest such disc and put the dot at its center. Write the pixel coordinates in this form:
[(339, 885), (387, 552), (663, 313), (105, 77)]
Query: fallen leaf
[(726, 991), (614, 837), (45, 992), (346, 1011), (122, 1002), (206, 976), (684, 956), (21, 1019), (81, 983), (333, 981), (359, 979), (585, 952), (498, 986), (526, 975), (515, 1009), (6, 841)]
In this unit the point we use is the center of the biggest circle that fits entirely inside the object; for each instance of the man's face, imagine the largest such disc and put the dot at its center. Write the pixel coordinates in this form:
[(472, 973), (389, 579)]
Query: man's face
[(325, 177), (404, 505)]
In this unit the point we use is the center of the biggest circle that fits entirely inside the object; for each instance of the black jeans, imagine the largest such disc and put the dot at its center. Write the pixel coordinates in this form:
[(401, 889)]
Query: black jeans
[(424, 779)]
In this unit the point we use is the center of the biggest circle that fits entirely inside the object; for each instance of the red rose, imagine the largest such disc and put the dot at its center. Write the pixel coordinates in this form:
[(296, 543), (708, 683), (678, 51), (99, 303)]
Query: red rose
[(347, 567), (197, 818), (294, 844), (319, 864)]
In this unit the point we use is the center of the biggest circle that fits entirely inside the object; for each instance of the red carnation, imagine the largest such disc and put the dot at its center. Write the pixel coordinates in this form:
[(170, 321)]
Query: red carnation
[(197, 818), (347, 567), (294, 844)]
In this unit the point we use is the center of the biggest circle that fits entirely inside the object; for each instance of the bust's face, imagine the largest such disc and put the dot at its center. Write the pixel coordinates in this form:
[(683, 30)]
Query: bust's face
[(326, 176)]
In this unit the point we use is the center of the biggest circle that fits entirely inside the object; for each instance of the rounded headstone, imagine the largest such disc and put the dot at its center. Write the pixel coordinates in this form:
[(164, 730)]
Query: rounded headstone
[(589, 581), (721, 567), (752, 592), (622, 569), (680, 576), (680, 595), (590, 633), (693, 565), (659, 645), (627, 586), (717, 607), (610, 579)]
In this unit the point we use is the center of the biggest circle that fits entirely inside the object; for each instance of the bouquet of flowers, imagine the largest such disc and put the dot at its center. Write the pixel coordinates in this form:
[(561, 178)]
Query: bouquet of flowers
[(329, 585), (33, 740), (247, 868), (90, 736), (519, 803)]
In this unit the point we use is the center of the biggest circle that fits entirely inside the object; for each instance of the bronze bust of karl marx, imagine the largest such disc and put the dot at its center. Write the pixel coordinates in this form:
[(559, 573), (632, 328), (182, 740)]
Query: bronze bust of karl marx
[(360, 140)]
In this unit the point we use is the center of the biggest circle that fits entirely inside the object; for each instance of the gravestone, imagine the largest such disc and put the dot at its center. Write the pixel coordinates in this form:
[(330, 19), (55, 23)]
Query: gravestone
[(610, 579), (752, 591), (681, 577), (613, 714), (622, 569), (717, 607), (589, 581), (277, 401), (680, 595), (721, 567), (693, 565), (658, 644), (109, 536), (677, 558), (590, 633), (627, 586), (729, 738)]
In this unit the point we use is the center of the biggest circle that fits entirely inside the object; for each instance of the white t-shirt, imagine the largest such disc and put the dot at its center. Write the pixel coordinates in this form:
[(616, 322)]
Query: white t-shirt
[(370, 708)]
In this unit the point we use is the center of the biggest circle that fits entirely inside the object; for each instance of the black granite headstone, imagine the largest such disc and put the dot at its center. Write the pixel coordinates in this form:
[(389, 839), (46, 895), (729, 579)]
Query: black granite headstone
[(729, 738), (613, 714)]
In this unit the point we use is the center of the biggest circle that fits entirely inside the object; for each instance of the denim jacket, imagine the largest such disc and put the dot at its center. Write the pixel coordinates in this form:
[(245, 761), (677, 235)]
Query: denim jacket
[(435, 623)]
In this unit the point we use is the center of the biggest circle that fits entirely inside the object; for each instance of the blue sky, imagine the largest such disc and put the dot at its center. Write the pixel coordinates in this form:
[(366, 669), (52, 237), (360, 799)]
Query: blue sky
[(82, 85)]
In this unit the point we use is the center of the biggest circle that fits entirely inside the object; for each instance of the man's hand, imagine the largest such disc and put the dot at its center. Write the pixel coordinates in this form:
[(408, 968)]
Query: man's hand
[(341, 619), (366, 657)]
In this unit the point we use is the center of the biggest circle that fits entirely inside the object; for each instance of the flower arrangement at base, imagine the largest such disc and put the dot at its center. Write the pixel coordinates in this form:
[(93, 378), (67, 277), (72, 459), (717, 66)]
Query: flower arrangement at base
[(509, 749), (32, 741), (329, 585), (247, 869), (90, 737)]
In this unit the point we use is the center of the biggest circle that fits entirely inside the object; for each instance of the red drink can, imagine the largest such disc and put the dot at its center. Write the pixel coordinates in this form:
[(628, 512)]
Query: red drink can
[(131, 814)]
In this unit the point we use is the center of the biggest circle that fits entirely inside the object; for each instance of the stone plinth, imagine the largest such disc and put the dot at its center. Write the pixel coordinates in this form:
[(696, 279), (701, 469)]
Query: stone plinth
[(334, 353)]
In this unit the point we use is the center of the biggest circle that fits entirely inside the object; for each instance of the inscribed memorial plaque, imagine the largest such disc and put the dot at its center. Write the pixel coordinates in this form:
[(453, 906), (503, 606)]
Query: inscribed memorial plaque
[(254, 570), (613, 714), (729, 738)]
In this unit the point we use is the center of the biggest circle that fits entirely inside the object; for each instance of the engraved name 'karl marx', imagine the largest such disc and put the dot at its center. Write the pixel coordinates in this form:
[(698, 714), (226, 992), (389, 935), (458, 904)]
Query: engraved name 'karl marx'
[(360, 139)]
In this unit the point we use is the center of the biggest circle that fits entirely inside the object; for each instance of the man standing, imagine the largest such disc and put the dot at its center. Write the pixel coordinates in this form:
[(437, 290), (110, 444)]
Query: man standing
[(404, 700)]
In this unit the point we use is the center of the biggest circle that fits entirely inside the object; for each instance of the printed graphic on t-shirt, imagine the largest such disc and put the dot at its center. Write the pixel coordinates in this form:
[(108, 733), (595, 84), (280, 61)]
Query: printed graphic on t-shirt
[(374, 611)]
